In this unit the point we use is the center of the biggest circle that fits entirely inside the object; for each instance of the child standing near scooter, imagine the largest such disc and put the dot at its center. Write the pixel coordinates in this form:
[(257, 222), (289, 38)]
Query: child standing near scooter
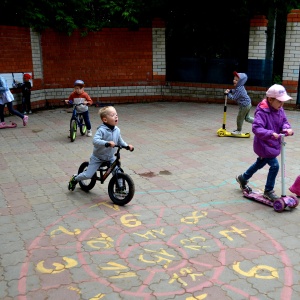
[(240, 95), (26, 92), (270, 120)]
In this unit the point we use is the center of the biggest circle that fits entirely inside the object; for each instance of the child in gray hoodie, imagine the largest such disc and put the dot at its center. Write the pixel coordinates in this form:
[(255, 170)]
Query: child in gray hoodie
[(239, 94), (108, 132)]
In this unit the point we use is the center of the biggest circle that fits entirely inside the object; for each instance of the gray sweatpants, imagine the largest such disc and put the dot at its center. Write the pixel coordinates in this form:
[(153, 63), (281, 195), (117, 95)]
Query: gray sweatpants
[(243, 115), (93, 166)]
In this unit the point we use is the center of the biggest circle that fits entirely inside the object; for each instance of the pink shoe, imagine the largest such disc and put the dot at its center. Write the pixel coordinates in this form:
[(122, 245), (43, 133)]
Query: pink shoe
[(295, 188), (2, 125), (25, 120)]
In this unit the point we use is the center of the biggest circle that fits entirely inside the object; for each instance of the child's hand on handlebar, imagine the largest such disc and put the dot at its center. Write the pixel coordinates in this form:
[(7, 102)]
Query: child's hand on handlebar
[(131, 148), (288, 131), (111, 144)]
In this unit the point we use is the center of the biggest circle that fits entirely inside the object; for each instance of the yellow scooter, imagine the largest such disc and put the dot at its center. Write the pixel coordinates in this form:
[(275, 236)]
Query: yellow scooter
[(223, 132)]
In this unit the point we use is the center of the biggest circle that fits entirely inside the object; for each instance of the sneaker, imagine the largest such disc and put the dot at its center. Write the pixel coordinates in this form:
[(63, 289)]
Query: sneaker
[(24, 113), (236, 132), (25, 120), (72, 183), (243, 183), (270, 195), (89, 132), (30, 112)]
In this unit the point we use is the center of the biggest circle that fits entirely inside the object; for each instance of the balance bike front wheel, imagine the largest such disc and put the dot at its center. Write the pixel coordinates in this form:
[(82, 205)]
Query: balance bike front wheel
[(121, 195), (73, 130), (87, 184)]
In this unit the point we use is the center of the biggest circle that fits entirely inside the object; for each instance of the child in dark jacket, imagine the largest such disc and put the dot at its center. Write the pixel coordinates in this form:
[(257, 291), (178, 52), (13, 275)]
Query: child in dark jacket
[(26, 93), (270, 120), (239, 94)]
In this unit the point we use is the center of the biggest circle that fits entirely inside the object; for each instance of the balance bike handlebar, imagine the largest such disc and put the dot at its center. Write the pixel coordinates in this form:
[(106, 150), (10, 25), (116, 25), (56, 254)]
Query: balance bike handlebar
[(117, 146)]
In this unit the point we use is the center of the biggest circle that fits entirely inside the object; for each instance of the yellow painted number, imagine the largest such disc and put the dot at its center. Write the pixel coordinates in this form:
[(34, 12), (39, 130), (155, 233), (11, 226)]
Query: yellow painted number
[(194, 219), (104, 242), (65, 231), (58, 267), (255, 270), (129, 220)]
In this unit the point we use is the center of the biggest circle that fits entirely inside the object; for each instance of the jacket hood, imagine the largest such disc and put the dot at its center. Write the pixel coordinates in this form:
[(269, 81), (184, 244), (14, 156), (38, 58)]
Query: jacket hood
[(243, 79)]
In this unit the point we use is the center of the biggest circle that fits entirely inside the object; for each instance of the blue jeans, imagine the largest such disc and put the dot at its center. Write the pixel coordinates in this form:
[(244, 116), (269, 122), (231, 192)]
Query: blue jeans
[(10, 109), (86, 118), (273, 171)]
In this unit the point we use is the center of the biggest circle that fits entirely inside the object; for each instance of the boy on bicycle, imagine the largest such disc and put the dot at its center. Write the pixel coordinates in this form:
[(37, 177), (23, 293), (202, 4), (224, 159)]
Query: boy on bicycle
[(79, 96), (108, 132)]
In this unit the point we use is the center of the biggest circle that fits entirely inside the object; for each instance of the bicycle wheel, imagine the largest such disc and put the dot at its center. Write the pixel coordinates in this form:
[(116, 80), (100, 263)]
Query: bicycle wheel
[(88, 184), (123, 195), (82, 126), (73, 130)]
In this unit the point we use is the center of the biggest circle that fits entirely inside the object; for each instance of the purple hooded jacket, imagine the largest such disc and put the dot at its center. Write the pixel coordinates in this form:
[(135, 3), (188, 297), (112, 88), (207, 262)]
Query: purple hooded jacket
[(268, 120)]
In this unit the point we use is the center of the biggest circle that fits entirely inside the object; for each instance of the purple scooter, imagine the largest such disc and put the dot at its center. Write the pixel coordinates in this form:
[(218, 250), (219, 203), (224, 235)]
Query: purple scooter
[(284, 201)]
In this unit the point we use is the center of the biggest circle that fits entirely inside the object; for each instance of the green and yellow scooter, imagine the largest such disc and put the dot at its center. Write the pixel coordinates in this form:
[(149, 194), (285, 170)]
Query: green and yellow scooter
[(223, 132)]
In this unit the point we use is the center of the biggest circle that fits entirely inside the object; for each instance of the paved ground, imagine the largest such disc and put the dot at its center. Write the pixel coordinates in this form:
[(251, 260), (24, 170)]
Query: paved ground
[(187, 234)]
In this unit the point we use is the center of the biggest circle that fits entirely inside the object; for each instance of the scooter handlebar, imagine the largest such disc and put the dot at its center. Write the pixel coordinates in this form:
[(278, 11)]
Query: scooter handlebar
[(285, 133)]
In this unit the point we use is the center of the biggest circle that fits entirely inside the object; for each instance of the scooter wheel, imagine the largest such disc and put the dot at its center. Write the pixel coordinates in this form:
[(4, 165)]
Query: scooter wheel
[(296, 203), (279, 205), (221, 132)]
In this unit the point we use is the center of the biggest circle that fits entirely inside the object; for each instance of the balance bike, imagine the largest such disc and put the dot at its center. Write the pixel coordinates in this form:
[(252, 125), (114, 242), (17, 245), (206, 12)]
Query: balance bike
[(121, 187), (223, 132), (284, 201)]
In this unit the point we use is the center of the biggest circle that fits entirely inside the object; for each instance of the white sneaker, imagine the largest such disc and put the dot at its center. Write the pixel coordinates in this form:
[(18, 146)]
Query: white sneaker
[(89, 132), (236, 132)]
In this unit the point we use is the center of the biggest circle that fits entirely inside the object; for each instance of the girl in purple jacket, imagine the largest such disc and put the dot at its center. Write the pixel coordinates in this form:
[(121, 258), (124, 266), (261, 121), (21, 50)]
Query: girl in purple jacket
[(269, 121)]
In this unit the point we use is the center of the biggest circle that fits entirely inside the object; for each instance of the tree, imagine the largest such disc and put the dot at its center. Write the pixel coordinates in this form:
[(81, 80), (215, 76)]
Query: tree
[(87, 15), (218, 30)]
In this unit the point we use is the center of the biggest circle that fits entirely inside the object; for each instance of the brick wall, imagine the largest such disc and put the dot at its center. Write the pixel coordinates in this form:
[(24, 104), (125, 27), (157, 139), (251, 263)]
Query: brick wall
[(110, 56), (15, 49), (118, 66)]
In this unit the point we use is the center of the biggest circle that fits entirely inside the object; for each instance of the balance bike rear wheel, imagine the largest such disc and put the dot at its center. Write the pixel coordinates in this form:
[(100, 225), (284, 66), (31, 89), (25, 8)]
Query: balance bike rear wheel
[(87, 184)]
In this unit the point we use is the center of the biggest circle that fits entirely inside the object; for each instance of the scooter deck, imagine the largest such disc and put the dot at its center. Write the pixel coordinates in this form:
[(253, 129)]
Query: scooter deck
[(257, 196), (279, 204), (9, 125), (224, 133)]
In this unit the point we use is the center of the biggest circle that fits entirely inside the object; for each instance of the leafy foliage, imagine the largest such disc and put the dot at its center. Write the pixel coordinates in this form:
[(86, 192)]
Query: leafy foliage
[(215, 30), (68, 15)]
